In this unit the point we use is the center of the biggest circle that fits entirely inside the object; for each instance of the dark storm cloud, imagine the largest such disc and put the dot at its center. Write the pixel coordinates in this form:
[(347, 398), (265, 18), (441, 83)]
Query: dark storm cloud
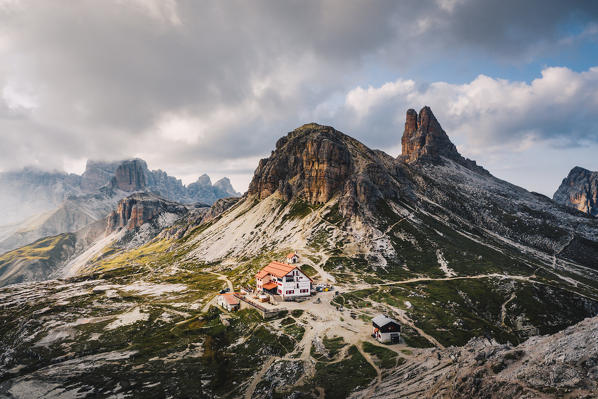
[(191, 85)]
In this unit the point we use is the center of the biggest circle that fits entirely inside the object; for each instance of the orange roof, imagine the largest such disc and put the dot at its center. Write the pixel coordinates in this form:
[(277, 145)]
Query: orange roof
[(230, 298), (289, 256), (277, 269), (269, 286)]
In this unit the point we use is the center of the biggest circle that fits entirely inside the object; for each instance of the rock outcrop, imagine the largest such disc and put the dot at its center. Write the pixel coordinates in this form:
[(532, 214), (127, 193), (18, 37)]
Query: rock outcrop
[(140, 208), (425, 140), (579, 190), (314, 163)]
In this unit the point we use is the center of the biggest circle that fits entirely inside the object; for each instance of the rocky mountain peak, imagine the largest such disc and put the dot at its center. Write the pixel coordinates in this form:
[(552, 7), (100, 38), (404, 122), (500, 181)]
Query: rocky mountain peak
[(424, 138), (130, 175), (204, 180), (225, 185), (579, 190), (312, 162), (97, 174), (315, 163)]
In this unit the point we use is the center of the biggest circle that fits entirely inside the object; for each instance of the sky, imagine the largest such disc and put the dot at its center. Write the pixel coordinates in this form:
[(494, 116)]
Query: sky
[(199, 87)]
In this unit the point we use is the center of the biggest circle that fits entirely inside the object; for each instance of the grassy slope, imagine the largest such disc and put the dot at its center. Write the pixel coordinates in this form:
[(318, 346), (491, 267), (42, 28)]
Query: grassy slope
[(38, 258)]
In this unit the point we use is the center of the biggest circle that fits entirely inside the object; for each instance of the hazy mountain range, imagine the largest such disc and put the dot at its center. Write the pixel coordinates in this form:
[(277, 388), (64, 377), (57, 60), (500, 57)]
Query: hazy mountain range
[(35, 203)]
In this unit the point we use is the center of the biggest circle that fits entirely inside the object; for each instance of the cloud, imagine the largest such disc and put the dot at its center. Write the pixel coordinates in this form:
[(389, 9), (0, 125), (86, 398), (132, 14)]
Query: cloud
[(486, 114), (207, 86)]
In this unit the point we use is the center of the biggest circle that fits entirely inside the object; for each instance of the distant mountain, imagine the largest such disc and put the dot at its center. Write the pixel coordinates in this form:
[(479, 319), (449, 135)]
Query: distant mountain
[(36, 204), (134, 175), (579, 190)]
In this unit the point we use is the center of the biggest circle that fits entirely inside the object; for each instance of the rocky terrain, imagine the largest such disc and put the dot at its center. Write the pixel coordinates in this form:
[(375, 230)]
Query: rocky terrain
[(579, 190), (496, 288), (564, 364)]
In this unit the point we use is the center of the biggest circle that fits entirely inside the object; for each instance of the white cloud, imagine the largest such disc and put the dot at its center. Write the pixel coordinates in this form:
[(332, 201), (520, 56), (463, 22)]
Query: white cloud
[(195, 86), (488, 113), (19, 97), (165, 11)]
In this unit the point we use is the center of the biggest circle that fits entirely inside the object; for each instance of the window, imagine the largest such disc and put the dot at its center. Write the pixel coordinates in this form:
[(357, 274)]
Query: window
[(297, 285), (279, 291), (290, 292), (303, 291)]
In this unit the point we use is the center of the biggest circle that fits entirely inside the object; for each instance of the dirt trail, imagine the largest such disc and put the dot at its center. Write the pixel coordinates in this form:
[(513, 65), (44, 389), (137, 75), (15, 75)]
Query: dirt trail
[(326, 277), (258, 377), (503, 309), (478, 276), (213, 300), (403, 318), (371, 389), (389, 229), (224, 278)]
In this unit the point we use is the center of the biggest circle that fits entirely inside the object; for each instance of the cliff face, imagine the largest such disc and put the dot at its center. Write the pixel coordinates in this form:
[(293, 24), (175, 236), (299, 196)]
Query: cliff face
[(314, 163), (97, 175), (141, 208), (130, 176), (579, 190)]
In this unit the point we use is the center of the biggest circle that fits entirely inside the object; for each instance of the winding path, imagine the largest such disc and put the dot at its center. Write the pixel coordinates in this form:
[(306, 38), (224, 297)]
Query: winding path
[(503, 310)]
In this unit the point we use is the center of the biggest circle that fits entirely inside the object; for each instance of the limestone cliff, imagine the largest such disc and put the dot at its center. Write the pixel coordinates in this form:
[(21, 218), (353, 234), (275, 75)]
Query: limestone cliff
[(140, 208), (579, 190), (315, 163), (130, 175)]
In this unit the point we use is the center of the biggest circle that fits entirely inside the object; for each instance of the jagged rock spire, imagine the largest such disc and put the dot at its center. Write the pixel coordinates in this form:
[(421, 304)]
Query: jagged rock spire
[(424, 137)]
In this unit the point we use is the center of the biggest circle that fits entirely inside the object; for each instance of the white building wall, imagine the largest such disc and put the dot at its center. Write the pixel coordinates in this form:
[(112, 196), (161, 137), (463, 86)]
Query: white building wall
[(301, 286), (386, 337)]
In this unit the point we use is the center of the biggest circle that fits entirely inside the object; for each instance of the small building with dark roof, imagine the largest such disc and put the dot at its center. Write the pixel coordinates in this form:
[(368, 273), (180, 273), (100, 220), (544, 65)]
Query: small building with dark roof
[(385, 329)]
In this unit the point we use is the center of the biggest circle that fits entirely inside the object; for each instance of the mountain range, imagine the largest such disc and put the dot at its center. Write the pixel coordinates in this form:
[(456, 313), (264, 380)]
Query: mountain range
[(473, 267), (38, 204)]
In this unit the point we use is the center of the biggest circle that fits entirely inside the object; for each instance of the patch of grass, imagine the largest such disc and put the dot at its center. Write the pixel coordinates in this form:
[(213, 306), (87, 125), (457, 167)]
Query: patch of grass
[(342, 378), (296, 313), (308, 270), (294, 330), (41, 256), (157, 252), (299, 209), (333, 216), (384, 357), (319, 240), (332, 345)]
